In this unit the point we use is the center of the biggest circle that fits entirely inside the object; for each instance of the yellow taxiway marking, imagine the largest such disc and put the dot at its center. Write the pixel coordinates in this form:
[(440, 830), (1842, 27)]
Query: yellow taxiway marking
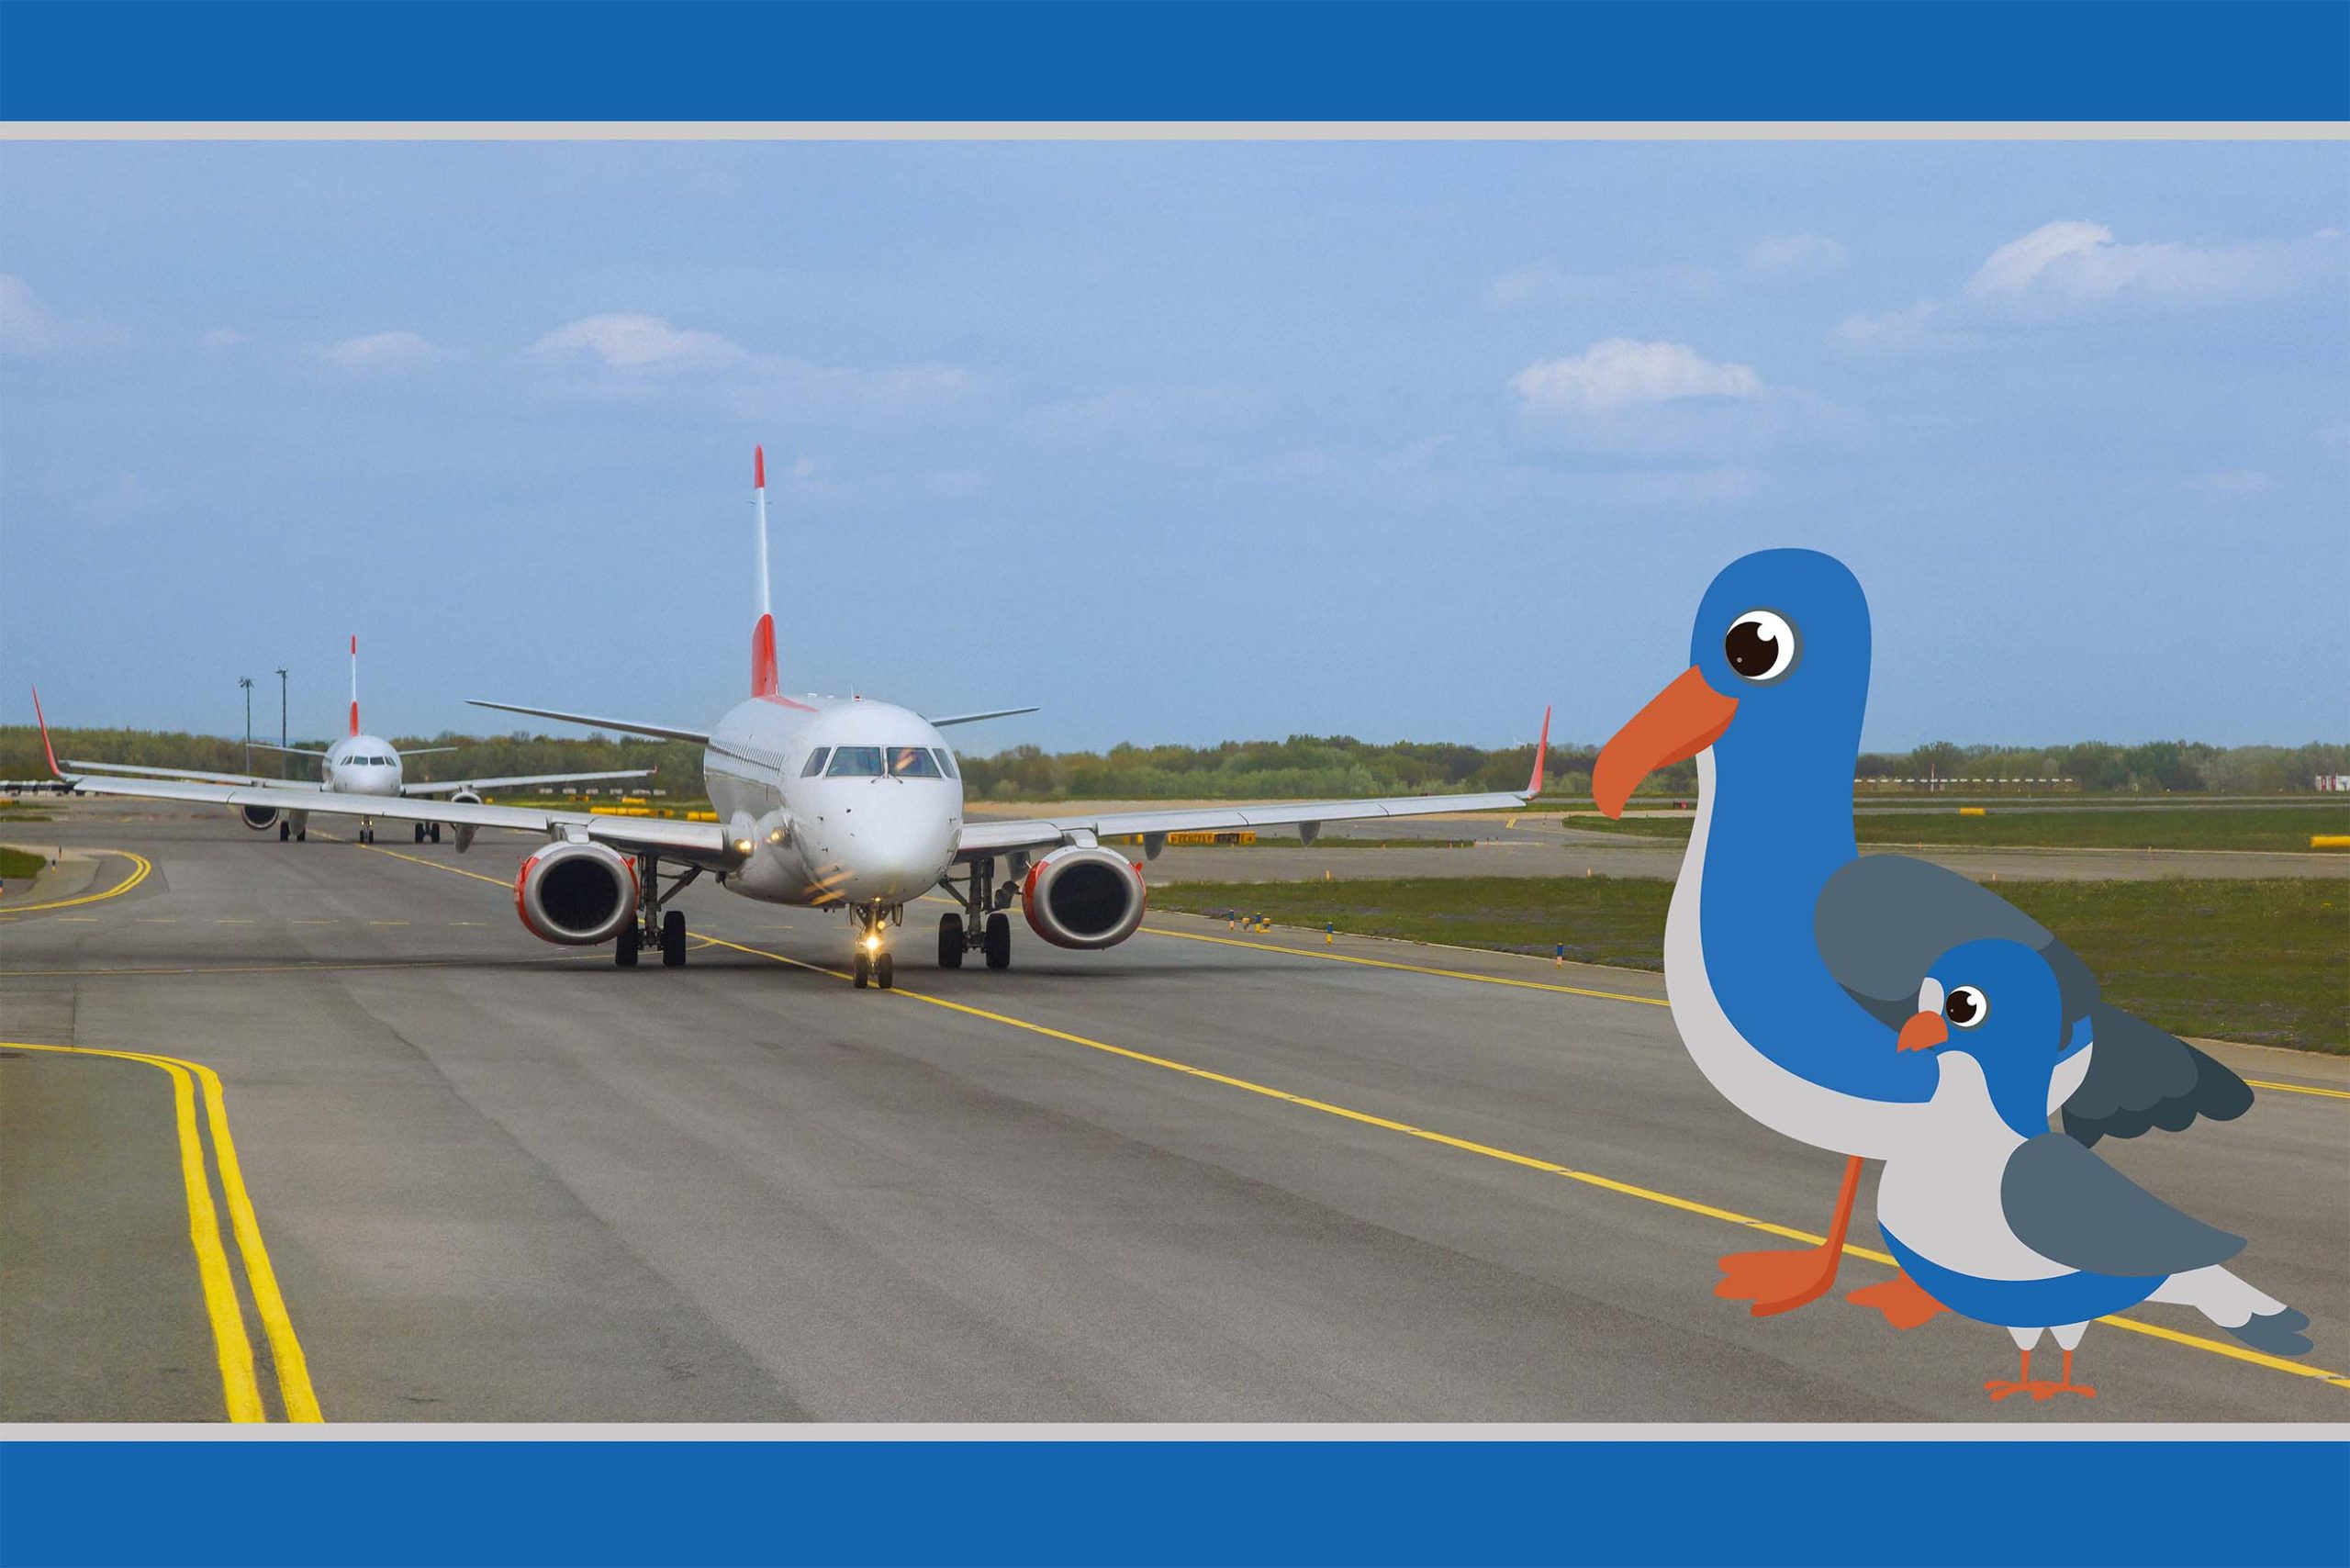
[(1539, 985), (1550, 1166), (1592, 1178), (140, 867), (242, 1391), (2298, 1089)]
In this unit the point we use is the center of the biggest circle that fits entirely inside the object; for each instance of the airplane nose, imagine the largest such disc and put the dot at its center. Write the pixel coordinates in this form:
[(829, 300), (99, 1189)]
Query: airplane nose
[(898, 860)]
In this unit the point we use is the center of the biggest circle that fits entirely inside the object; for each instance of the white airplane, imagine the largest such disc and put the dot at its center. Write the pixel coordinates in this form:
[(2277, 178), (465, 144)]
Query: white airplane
[(359, 764), (833, 802)]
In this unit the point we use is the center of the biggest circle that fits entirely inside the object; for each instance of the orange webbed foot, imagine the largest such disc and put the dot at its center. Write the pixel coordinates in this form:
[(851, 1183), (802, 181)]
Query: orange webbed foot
[(1778, 1281), (1903, 1301), (2040, 1389)]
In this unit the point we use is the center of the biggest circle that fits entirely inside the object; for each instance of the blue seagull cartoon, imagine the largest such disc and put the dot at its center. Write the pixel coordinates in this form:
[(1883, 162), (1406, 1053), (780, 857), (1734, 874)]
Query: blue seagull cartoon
[(1787, 955), (2003, 1221)]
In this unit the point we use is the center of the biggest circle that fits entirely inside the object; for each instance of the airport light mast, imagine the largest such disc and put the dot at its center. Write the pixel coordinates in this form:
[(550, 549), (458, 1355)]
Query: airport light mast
[(246, 681)]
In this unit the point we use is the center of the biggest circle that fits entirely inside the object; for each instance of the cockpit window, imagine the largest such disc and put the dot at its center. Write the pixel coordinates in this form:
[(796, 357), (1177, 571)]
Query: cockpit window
[(912, 762), (816, 762), (855, 762), (945, 760)]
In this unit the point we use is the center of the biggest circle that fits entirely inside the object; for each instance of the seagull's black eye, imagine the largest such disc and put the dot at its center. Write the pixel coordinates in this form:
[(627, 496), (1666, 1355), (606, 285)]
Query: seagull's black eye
[(1761, 646), (1965, 1007)]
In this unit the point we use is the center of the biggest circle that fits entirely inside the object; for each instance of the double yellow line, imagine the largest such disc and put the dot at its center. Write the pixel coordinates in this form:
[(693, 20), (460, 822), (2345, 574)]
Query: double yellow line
[(193, 1080), (140, 867)]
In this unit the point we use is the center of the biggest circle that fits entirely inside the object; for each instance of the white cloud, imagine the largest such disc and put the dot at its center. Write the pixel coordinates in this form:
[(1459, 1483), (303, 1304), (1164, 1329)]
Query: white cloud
[(382, 351), (1786, 254), (223, 338), (29, 327), (2077, 262), (2075, 267), (630, 341), (1620, 374)]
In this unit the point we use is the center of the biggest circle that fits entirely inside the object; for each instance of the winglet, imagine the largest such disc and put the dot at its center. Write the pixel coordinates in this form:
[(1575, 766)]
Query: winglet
[(1541, 752), (42, 719)]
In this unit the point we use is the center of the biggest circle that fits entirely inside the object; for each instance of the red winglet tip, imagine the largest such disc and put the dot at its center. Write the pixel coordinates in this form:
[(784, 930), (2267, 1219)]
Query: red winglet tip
[(1541, 754), (759, 466), (55, 771)]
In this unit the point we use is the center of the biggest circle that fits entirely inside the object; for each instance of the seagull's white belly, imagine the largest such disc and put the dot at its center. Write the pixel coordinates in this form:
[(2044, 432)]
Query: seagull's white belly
[(1780, 1100)]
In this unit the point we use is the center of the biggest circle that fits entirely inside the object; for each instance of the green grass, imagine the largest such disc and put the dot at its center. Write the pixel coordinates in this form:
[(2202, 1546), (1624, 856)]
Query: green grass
[(2151, 827), (2264, 961), (15, 864)]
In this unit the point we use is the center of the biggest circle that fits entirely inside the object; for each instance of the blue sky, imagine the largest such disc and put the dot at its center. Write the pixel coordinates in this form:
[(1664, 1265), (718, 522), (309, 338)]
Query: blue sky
[(1183, 442)]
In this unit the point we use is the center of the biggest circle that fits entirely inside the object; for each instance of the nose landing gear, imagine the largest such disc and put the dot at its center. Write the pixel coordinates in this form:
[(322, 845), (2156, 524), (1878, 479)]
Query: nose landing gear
[(873, 964)]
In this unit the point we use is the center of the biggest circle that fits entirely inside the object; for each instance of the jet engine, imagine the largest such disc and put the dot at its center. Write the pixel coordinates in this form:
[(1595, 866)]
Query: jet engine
[(258, 818), (1083, 895), (466, 830), (577, 894)]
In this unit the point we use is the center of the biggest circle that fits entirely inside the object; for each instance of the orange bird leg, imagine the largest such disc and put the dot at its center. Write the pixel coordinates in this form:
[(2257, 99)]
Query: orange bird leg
[(2040, 1389), (1781, 1281), (2068, 1386), (1902, 1299), (2000, 1387)]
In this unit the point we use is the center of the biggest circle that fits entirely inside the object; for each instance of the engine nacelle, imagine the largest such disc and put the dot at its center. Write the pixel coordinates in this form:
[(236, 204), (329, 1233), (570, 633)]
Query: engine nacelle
[(258, 818), (1083, 895), (466, 830), (577, 894)]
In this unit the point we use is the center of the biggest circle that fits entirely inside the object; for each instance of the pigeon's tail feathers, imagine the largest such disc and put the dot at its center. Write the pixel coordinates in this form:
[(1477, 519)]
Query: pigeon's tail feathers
[(2259, 1320)]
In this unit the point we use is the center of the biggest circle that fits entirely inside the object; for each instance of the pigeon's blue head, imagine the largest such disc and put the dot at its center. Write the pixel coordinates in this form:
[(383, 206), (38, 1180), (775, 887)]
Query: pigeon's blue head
[(1997, 1001), (1777, 682)]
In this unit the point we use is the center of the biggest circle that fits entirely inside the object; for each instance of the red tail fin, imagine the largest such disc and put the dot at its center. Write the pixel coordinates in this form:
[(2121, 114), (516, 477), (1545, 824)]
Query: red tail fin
[(763, 676), (1541, 754), (354, 683)]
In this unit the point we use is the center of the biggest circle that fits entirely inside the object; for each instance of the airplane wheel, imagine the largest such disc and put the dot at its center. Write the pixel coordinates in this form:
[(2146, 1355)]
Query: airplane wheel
[(885, 971), (999, 941), (624, 951), (673, 940), (418, 828), (433, 832), (861, 971), (303, 836), (285, 832), (950, 941)]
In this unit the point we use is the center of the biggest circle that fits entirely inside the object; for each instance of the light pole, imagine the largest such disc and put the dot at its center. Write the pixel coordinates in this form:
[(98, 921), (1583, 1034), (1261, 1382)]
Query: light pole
[(247, 682), (281, 720)]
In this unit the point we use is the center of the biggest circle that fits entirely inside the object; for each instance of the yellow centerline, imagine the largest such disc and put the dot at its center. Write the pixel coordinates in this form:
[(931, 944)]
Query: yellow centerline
[(140, 867), (1592, 1178)]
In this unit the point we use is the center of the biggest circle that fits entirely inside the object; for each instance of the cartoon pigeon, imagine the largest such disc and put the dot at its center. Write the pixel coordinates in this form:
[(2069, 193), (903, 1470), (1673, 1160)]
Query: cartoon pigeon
[(2004, 1222), (1786, 956)]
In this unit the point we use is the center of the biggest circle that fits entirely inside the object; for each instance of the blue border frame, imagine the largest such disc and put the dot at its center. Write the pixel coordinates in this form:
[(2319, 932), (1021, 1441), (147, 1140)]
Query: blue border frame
[(2085, 1504), (1161, 59)]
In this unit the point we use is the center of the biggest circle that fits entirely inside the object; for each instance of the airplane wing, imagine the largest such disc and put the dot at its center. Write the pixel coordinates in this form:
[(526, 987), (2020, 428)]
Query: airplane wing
[(699, 843), (143, 771), (974, 718), (290, 750), (520, 779), (984, 838), (427, 750), (659, 731)]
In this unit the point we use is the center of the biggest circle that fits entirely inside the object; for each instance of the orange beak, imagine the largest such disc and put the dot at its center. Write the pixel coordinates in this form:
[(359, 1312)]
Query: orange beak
[(1922, 1032), (1679, 722)]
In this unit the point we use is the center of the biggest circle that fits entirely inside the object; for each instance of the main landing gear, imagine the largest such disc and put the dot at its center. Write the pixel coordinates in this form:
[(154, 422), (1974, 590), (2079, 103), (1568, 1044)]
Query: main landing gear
[(983, 926), (428, 833), (366, 831), (873, 964), (664, 931), (285, 832)]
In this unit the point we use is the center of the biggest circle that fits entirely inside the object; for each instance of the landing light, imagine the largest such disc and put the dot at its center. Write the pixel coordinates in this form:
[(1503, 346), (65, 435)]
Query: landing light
[(873, 944), (742, 846)]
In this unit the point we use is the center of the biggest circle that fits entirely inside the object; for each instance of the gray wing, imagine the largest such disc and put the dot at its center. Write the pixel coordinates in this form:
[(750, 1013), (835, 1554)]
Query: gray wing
[(2067, 1205), (2140, 1077), (1883, 920)]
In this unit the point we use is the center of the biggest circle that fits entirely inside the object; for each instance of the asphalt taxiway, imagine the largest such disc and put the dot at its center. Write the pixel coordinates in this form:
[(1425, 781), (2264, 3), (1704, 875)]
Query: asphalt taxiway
[(1205, 1176)]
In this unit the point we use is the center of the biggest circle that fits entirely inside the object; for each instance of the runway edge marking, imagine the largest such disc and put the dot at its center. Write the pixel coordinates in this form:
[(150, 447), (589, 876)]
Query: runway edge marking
[(2196, 1342), (285, 1348)]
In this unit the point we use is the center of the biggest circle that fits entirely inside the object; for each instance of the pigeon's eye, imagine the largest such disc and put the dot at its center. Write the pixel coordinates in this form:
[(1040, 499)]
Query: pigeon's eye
[(1966, 1007), (1761, 646)]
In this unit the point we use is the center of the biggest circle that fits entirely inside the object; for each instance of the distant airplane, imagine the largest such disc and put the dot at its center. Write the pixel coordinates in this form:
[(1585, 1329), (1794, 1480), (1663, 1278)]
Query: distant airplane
[(356, 765), (833, 802)]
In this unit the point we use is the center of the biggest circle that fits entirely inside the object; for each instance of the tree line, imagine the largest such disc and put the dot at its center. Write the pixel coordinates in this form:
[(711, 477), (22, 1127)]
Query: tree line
[(1333, 765)]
